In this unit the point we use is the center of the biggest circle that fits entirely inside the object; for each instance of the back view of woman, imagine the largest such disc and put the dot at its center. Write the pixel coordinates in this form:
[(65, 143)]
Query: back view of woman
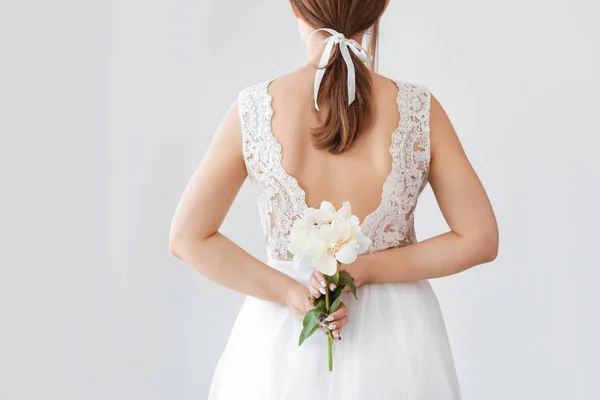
[(335, 130)]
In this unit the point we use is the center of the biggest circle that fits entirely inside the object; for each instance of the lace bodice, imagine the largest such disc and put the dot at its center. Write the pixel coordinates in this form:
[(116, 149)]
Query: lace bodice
[(281, 200)]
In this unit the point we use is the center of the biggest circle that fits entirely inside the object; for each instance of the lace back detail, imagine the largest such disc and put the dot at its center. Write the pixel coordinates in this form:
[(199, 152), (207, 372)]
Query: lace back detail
[(281, 200), (392, 224)]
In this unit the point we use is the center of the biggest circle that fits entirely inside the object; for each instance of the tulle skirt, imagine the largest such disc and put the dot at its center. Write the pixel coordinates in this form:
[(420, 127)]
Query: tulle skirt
[(394, 346)]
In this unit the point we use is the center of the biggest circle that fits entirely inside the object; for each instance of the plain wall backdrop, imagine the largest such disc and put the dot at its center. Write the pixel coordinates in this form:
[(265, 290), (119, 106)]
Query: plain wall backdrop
[(107, 107)]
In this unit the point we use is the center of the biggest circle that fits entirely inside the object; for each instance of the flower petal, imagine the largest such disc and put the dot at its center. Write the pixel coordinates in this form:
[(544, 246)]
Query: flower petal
[(363, 243), (330, 234), (345, 231), (298, 238), (310, 212), (345, 212), (315, 245), (327, 207), (325, 263), (347, 254), (354, 220)]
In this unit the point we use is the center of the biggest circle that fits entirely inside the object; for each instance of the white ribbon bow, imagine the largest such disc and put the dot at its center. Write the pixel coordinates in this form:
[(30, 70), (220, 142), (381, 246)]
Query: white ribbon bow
[(345, 44)]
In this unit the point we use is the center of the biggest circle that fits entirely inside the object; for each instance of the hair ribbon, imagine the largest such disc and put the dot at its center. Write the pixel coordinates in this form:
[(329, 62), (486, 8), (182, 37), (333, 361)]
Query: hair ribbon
[(345, 44)]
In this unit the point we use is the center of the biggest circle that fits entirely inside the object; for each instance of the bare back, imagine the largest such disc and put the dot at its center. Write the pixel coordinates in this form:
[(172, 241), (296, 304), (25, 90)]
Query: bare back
[(382, 175), (357, 175)]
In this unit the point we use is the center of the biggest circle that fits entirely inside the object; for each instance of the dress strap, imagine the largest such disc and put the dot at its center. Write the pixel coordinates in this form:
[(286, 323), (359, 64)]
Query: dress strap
[(414, 104), (254, 113)]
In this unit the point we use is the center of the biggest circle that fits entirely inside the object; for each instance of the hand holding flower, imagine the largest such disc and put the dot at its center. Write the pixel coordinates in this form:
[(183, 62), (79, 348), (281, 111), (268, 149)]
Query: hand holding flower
[(328, 238), (337, 319), (298, 300), (335, 322), (318, 284)]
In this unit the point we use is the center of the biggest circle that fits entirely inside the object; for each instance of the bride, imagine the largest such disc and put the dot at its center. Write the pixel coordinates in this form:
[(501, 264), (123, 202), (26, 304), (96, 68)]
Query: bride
[(335, 130)]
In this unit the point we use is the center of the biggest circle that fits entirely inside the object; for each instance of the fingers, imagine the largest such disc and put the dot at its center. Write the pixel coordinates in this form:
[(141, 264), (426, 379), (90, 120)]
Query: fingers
[(337, 325), (322, 282), (315, 287), (337, 334), (318, 284), (321, 278), (338, 320), (339, 314), (335, 322)]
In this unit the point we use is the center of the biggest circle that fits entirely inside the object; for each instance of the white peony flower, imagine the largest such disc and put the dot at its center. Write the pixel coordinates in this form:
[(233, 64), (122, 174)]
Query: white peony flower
[(328, 237)]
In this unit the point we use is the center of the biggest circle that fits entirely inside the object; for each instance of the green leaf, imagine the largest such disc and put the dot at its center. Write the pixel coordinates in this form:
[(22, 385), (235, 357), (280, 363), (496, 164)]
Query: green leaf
[(335, 278), (345, 277), (320, 304), (353, 289), (310, 324), (336, 293), (336, 304), (311, 317), (333, 298), (347, 280), (306, 333)]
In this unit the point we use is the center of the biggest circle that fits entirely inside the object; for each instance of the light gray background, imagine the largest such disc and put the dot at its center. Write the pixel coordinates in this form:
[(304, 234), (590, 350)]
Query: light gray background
[(108, 106)]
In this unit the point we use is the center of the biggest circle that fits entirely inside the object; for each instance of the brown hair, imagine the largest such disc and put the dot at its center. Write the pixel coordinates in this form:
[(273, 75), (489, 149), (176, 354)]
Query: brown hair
[(349, 17)]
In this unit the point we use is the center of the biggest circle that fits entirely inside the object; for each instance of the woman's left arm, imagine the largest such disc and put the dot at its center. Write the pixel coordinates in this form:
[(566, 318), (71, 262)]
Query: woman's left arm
[(473, 235)]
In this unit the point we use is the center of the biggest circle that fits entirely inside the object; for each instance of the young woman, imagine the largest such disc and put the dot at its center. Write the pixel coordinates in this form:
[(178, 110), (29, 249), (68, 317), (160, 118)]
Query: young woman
[(335, 130)]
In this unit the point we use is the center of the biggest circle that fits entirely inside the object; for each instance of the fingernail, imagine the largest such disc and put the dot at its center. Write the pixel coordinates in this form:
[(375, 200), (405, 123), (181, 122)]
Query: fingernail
[(330, 318), (316, 294), (332, 326), (332, 286), (323, 284), (336, 335), (322, 290)]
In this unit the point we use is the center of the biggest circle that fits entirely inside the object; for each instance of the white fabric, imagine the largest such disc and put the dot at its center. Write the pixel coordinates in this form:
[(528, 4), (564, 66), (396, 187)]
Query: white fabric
[(345, 44), (394, 345)]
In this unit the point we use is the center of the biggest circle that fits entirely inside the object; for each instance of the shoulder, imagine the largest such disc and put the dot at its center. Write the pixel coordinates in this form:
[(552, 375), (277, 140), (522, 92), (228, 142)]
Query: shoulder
[(408, 87), (414, 98), (252, 101), (414, 90), (411, 97), (254, 90), (418, 98), (297, 83)]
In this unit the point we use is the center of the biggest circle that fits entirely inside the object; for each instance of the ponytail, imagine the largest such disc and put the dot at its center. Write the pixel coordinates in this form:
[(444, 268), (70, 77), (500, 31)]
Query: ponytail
[(344, 121)]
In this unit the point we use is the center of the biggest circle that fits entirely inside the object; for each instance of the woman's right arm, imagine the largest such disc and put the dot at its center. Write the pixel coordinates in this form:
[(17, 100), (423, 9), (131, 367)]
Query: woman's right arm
[(195, 237), (473, 235)]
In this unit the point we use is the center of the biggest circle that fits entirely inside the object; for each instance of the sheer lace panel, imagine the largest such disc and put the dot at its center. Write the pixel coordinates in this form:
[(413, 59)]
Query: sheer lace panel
[(392, 224), (281, 200)]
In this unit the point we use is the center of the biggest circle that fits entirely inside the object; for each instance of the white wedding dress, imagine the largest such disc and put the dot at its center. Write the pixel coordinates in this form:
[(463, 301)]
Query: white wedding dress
[(394, 345)]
